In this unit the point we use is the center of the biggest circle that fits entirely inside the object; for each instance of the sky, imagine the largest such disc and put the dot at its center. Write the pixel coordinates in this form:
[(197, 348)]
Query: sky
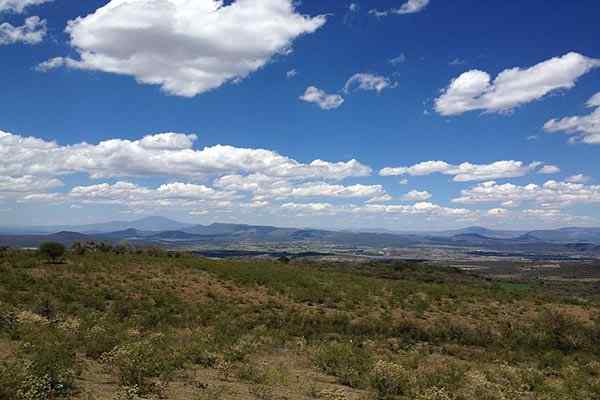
[(392, 114)]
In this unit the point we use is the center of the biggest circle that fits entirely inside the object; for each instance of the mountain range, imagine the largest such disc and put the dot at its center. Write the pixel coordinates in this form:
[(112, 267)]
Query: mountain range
[(160, 230)]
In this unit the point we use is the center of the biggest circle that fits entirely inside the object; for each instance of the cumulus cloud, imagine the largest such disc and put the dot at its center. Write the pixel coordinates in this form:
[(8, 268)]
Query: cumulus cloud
[(32, 32), (497, 212), (19, 6), (310, 208), (410, 7), (265, 187), (323, 100), (415, 195), (467, 171), (550, 194), (475, 90), (424, 209), (27, 184), (549, 170), (579, 178), (171, 194), (166, 154), (186, 47), (364, 81), (585, 127)]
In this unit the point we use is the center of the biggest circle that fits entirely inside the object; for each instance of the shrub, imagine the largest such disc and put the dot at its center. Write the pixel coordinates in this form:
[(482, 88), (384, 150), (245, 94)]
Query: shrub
[(46, 367), (262, 374), (78, 248), (202, 351), (561, 331), (8, 319), (99, 339), (391, 379), (53, 251), (4, 251), (434, 394), (135, 363), (349, 363), (262, 392)]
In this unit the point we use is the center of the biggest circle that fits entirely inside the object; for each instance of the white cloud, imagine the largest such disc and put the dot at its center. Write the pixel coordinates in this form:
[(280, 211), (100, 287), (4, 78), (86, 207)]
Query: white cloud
[(291, 73), (19, 6), (466, 171), (323, 100), (398, 60), (457, 62), (187, 47), (26, 184), (594, 101), (549, 170), (265, 187), (415, 195), (364, 81), (169, 154), (421, 208), (130, 194), (586, 127), (310, 208), (580, 178), (474, 90), (418, 209), (410, 7), (550, 194), (497, 212), (353, 7), (32, 32), (380, 199)]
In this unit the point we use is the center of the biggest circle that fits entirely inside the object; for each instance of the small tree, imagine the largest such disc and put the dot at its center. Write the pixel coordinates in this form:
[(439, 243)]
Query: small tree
[(52, 251)]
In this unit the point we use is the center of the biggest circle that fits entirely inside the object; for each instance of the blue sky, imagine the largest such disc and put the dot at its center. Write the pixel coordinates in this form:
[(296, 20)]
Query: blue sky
[(188, 109)]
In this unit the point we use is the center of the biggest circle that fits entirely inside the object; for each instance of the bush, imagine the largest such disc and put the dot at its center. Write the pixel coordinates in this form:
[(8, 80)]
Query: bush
[(78, 249), (391, 379), (349, 363), (46, 367), (135, 363), (53, 251)]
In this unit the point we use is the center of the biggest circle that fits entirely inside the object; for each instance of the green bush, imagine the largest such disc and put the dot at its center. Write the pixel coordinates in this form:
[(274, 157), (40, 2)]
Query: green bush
[(137, 362), (46, 366), (53, 251), (391, 379), (349, 363)]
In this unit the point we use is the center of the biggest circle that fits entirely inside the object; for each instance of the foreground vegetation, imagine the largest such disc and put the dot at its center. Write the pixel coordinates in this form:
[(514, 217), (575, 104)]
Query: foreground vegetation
[(146, 324)]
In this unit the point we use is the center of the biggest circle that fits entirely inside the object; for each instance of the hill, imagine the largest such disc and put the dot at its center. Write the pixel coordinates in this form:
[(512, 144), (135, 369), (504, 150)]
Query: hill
[(150, 325)]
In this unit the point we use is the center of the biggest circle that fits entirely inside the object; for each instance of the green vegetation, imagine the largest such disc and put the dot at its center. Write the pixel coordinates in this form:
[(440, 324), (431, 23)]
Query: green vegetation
[(52, 251), (119, 323)]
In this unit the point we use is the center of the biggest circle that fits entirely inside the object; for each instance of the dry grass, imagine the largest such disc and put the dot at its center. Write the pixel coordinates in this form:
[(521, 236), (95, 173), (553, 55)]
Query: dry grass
[(130, 326)]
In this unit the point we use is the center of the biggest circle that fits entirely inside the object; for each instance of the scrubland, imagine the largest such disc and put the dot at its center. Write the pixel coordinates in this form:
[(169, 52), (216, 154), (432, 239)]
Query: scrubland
[(151, 325)]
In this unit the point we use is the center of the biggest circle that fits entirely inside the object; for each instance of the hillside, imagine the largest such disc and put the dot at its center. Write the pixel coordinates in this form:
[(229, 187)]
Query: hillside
[(149, 325)]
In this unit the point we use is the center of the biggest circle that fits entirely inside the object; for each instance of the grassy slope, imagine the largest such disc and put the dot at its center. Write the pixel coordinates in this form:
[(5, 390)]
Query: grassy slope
[(106, 326)]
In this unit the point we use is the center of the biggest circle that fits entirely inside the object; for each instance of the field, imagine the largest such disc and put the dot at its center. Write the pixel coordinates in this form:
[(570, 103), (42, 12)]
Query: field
[(152, 325)]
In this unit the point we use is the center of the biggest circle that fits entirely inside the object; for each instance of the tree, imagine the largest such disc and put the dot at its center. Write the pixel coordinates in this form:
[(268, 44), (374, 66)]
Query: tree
[(52, 251), (284, 260)]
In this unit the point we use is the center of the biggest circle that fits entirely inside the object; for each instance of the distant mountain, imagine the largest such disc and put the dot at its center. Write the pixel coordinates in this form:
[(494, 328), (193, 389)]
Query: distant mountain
[(478, 230), (568, 235), (153, 224), (159, 230), (66, 238)]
